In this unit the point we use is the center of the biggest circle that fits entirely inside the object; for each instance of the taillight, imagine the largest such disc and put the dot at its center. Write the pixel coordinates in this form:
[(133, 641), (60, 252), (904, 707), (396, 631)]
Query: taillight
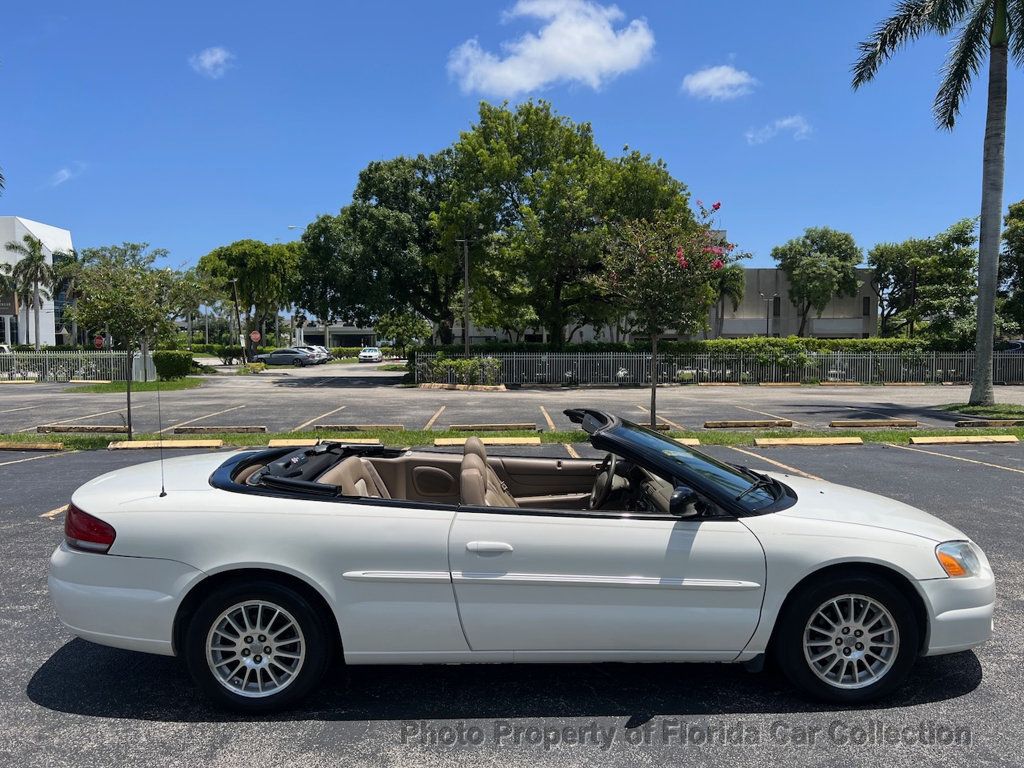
[(85, 532)]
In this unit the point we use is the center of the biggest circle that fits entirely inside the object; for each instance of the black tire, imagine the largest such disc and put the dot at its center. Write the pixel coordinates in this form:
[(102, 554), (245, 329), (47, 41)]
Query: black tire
[(315, 640), (297, 363), (788, 642)]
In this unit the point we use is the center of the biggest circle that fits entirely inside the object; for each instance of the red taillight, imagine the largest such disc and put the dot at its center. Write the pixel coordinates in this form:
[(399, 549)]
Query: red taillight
[(85, 532)]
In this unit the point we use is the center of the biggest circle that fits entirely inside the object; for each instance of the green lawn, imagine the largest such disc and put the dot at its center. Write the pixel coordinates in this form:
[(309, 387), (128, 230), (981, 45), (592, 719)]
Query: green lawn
[(426, 438), (190, 382), (997, 411)]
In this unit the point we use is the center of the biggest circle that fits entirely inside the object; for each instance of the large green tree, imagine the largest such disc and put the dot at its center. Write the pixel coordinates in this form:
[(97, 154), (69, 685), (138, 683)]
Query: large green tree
[(33, 275), (1011, 268), (819, 264), (983, 29)]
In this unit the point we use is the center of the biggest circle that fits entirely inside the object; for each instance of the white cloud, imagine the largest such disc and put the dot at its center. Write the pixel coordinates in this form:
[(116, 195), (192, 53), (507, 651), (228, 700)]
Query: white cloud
[(211, 62), (719, 83), (66, 173), (577, 43), (796, 125)]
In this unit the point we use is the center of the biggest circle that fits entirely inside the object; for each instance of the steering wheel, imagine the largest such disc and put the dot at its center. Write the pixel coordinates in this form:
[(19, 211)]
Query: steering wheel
[(603, 482)]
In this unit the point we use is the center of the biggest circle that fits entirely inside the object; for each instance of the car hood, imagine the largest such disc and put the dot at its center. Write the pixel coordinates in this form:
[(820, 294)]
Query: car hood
[(821, 500)]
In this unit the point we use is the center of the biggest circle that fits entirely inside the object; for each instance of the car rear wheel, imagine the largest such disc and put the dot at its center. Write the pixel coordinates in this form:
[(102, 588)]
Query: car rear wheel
[(847, 639), (256, 647)]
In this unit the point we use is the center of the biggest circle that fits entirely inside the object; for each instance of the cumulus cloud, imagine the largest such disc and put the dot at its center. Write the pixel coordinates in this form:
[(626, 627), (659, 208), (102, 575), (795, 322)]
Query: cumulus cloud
[(719, 83), (795, 125), (211, 62), (578, 42)]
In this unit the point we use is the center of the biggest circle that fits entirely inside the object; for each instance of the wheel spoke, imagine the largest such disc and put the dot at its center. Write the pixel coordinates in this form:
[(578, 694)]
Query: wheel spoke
[(851, 641)]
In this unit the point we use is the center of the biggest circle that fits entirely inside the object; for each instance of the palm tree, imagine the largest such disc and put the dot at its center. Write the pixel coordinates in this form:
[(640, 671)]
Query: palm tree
[(730, 284), (32, 271), (995, 27)]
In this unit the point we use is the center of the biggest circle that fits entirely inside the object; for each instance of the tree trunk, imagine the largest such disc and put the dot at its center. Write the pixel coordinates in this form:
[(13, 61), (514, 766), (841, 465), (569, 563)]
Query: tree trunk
[(803, 320), (654, 380), (993, 167), (444, 329), (128, 392), (720, 318), (189, 325), (35, 302)]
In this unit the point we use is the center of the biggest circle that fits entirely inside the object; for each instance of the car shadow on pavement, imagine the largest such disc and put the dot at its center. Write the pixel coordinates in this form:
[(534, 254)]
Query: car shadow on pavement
[(86, 679)]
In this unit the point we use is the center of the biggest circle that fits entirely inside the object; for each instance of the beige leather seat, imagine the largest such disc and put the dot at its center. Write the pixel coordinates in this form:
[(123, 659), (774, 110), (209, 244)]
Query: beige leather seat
[(356, 477), (479, 485)]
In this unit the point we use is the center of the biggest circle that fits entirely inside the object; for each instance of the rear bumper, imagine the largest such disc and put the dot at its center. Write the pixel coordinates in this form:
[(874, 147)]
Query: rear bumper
[(123, 602), (960, 612)]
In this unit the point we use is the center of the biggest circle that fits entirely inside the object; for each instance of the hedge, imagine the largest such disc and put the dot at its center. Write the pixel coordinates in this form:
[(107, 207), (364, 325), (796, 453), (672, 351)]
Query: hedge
[(172, 363), (474, 370)]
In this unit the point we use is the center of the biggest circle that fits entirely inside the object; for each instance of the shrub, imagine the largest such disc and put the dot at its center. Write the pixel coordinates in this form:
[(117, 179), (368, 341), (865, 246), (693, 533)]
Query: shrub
[(172, 363), (474, 370), (252, 368)]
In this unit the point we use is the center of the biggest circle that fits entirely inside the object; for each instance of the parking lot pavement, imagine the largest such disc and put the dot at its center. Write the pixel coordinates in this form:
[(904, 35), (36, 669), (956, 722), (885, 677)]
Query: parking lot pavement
[(65, 702)]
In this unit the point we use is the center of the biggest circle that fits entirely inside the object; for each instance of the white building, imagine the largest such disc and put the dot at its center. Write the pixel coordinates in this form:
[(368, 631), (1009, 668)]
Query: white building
[(17, 319)]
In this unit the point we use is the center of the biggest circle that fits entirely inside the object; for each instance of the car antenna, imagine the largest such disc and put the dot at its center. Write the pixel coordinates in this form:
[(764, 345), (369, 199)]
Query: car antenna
[(159, 433)]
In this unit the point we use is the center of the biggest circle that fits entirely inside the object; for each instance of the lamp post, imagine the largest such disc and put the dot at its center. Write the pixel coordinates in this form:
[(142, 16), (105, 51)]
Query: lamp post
[(238, 318), (768, 301)]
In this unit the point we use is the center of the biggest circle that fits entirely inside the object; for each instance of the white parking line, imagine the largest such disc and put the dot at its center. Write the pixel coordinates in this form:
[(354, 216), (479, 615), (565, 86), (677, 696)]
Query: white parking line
[(34, 458), (570, 450), (778, 464), (87, 416), (315, 419), (54, 512), (671, 423), (547, 418), (198, 418), (433, 418), (956, 458), (23, 408)]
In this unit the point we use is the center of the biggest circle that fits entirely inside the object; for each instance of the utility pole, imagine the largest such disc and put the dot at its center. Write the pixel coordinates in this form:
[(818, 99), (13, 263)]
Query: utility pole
[(465, 295), (238, 318), (768, 302)]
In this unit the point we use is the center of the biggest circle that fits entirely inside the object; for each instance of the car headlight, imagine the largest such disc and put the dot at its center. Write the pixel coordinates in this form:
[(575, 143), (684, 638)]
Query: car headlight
[(958, 558)]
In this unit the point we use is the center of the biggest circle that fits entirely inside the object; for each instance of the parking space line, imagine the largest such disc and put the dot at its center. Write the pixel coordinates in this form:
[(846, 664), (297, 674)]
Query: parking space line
[(671, 423), (305, 424), (198, 418), (956, 458), (770, 415), (433, 418), (34, 458), (547, 418), (23, 408), (54, 512), (570, 450), (778, 464), (87, 416)]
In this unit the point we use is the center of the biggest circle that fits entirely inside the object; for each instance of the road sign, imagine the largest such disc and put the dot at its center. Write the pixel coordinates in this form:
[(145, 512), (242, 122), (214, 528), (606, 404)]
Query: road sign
[(98, 342), (255, 336)]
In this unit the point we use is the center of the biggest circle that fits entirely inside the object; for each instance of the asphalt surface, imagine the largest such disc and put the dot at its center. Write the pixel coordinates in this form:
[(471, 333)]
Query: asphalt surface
[(293, 399), (66, 702)]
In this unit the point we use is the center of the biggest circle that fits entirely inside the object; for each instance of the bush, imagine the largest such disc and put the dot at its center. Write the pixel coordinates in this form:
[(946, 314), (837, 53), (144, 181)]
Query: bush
[(251, 368), (474, 370), (172, 364)]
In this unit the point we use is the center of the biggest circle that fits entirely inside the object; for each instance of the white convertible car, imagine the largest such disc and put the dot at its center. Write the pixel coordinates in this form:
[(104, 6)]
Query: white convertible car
[(262, 568)]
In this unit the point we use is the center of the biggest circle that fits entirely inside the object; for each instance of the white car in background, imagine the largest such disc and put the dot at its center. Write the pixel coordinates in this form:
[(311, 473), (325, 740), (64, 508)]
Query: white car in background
[(5, 349), (371, 355), (319, 354), (261, 568)]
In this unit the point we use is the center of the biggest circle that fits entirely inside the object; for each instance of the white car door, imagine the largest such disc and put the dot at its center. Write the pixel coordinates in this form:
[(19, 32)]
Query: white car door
[(580, 585)]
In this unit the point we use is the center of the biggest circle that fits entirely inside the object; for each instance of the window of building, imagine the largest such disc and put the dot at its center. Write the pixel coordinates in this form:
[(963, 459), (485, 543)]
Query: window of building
[(777, 306), (867, 306)]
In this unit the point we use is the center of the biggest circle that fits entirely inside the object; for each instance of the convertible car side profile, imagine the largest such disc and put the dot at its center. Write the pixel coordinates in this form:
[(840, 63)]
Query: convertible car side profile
[(262, 568)]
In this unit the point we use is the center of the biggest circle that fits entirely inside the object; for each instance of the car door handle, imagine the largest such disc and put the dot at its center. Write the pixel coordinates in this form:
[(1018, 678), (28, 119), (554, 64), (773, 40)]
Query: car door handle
[(484, 547)]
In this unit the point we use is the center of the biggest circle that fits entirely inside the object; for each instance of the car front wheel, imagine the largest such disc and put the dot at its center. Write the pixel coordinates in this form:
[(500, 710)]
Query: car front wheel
[(256, 647), (847, 639)]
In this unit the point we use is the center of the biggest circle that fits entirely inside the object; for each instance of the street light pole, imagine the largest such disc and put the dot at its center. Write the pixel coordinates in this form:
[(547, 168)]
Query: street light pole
[(768, 301), (238, 318), (465, 295)]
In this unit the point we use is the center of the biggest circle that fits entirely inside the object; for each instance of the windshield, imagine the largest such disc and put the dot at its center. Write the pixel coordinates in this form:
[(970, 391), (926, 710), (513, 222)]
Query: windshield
[(731, 481)]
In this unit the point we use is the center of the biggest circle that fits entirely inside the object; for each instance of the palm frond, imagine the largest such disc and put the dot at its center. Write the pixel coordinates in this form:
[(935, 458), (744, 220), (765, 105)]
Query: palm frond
[(912, 19), (965, 60), (948, 14), (1015, 16)]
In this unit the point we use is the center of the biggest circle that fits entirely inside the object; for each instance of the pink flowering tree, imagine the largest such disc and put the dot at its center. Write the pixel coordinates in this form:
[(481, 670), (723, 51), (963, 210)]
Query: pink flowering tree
[(661, 274)]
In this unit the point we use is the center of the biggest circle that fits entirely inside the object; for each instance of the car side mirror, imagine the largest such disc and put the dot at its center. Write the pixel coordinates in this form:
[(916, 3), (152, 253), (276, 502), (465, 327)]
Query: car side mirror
[(683, 502)]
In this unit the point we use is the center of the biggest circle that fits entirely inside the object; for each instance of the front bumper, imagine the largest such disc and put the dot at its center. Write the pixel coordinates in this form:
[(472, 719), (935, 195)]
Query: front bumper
[(123, 602), (960, 612)]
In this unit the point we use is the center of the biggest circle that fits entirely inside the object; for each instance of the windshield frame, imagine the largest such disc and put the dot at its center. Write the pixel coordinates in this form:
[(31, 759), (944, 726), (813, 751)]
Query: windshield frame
[(633, 441)]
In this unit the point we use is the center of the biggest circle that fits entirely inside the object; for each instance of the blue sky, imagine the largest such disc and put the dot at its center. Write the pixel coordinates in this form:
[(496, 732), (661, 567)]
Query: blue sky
[(188, 125)]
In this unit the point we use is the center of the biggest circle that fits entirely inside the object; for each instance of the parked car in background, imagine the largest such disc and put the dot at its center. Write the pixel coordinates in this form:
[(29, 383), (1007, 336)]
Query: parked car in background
[(1017, 346), (324, 351), (371, 355), (288, 356), (319, 354), (5, 349)]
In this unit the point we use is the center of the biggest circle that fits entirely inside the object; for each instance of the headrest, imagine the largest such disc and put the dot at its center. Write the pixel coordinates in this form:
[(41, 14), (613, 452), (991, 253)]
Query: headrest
[(473, 480), (475, 447)]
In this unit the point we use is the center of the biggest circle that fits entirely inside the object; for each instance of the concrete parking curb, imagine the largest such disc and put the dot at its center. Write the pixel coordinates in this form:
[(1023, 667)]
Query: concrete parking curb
[(748, 424), (687, 441), (991, 423), (358, 427), (963, 439), (442, 441), (847, 423), (521, 426), (767, 442), (87, 429), (302, 443), (129, 445), (13, 446), (466, 387), (208, 430)]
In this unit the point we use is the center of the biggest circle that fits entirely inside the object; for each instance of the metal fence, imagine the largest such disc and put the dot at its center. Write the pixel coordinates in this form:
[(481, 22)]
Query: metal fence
[(633, 368), (65, 366)]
